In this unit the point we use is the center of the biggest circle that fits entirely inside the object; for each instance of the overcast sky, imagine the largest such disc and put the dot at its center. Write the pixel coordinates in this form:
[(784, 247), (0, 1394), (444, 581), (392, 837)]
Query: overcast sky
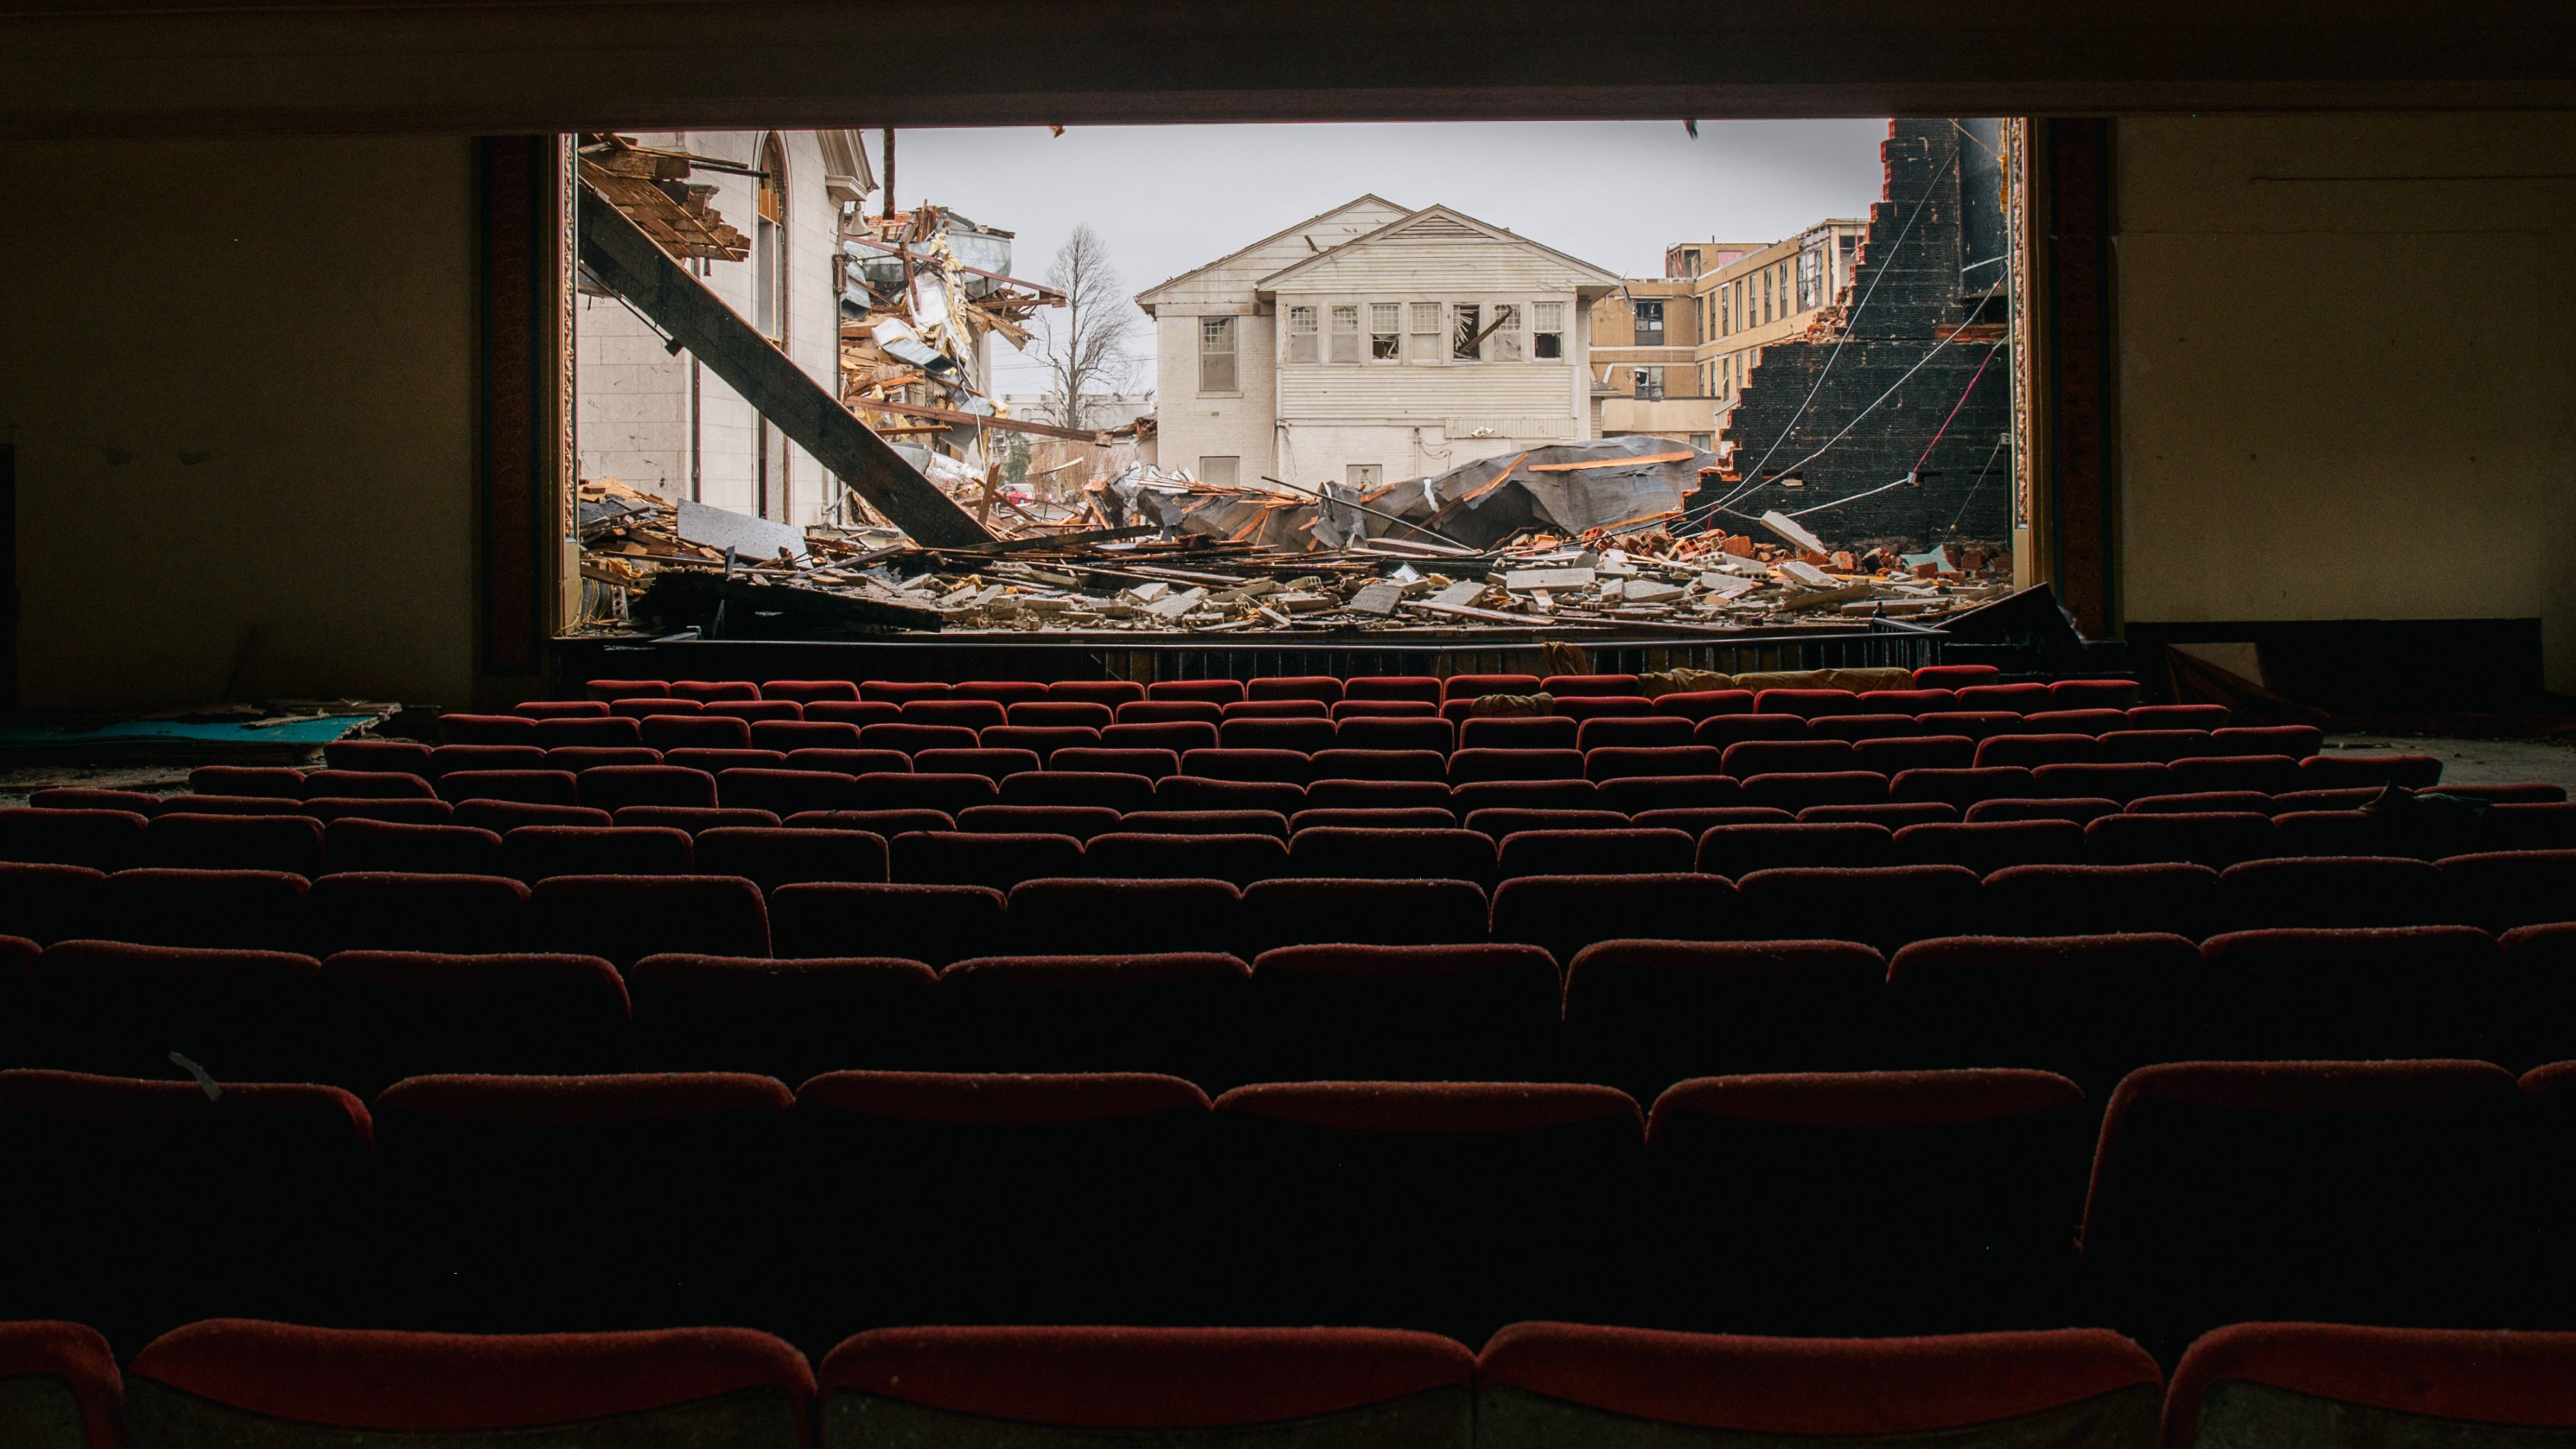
[(1172, 198)]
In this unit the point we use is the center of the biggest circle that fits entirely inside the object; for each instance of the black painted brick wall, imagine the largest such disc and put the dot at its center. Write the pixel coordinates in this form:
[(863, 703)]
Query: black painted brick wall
[(1909, 278)]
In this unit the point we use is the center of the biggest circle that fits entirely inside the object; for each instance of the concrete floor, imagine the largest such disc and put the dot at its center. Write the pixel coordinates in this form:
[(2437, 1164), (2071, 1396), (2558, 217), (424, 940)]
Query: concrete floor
[(2476, 762)]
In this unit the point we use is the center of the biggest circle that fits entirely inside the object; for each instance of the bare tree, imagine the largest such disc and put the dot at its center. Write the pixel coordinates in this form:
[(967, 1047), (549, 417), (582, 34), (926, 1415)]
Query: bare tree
[(1089, 352)]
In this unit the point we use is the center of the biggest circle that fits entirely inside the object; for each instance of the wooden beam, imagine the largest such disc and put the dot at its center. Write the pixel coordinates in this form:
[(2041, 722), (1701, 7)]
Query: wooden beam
[(962, 418), (627, 261)]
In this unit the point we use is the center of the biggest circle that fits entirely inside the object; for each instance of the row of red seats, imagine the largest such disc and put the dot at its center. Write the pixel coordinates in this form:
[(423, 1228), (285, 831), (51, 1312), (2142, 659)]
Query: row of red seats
[(624, 917), (949, 780), (1535, 1385), (2150, 732), (1003, 845), (1319, 688), (1637, 1015), (2422, 1191)]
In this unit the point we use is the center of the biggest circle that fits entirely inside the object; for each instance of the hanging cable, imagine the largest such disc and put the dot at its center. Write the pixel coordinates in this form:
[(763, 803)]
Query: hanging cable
[(1877, 275), (1964, 394), (1970, 495)]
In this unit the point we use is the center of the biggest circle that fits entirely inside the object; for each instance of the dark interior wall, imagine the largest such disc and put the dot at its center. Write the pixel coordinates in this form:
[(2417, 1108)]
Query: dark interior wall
[(239, 377), (2347, 374)]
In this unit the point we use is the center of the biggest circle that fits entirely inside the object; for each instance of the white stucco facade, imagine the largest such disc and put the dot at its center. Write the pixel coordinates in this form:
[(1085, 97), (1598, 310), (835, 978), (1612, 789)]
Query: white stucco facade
[(661, 422), (1351, 365)]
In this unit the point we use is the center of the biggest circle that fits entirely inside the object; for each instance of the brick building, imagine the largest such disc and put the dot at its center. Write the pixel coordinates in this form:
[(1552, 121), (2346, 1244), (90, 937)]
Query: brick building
[(1910, 374)]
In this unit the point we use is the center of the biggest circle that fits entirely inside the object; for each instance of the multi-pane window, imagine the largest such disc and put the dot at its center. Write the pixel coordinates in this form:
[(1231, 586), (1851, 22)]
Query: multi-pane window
[(1303, 345), (1426, 332), (1725, 319), (1650, 324), (1768, 278), (1547, 330), (1467, 333), (1811, 278), (1385, 321), (1216, 355), (1504, 344), (1649, 383), (1219, 471), (1346, 334), (1364, 475)]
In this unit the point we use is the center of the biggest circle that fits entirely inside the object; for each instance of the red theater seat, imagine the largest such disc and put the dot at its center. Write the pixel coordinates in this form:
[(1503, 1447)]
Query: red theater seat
[(446, 759), (121, 1010), (1177, 736), (1299, 912), (2353, 995), (270, 780), (944, 793), (1697, 705), (1132, 853), (1661, 762), (1207, 822), (759, 711), (1594, 686), (810, 691), (1735, 850), (1109, 692), (1748, 758), (2230, 1191), (1596, 852), (387, 1015), (602, 733), (1895, 815), (99, 839), (644, 709), (1520, 732), (1176, 1013), (258, 910), (2093, 1008), (785, 792), (790, 735), (787, 1019), (1147, 764), (1885, 906), (994, 764), (1391, 817), (2361, 890), (2100, 900), (1722, 730), (2078, 810), (1372, 733), (1416, 688), (714, 691), (1004, 692), (928, 923), (493, 1189), (1907, 701), (1319, 687), (1464, 1013), (2327, 1383), (1196, 912), (407, 757), (1544, 1384), (2004, 698), (1499, 821), (532, 853), (1305, 709), (997, 861), (901, 691), (1860, 727), (1807, 703), (63, 1386), (771, 856), (2217, 839), (1462, 1177), (1305, 736), (1186, 791), (1633, 794), (1565, 913), (1112, 1154), (379, 845), (1477, 686), (1632, 731), (288, 843), (1423, 766), (1988, 1163), (1644, 1014), (1082, 822), (1392, 855), (485, 729), (525, 787), (1380, 794), (626, 918), (1955, 676), (1045, 741), (277, 1175), (1249, 766), (1799, 790), (1585, 707), (861, 713), (1989, 846)]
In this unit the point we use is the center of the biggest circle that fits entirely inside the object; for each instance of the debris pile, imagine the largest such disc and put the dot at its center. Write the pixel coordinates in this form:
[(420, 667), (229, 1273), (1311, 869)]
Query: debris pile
[(1130, 579)]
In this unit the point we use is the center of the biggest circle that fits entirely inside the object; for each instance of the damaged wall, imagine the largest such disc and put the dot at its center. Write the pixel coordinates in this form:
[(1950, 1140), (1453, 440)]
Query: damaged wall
[(2347, 354), (238, 378), (1919, 297), (634, 396)]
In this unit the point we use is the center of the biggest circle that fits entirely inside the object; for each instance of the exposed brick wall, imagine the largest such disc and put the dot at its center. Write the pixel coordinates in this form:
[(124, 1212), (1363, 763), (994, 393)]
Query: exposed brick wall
[(1914, 299)]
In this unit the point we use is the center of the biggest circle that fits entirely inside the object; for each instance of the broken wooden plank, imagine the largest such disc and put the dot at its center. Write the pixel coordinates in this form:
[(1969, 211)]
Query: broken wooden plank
[(1637, 462), (624, 259)]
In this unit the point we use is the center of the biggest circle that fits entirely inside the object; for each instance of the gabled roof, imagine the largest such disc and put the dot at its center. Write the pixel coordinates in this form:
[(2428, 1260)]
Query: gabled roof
[(1144, 298), (1439, 215)]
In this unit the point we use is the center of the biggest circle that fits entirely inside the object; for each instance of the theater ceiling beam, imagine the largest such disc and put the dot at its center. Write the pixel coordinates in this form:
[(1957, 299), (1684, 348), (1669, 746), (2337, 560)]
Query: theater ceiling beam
[(171, 67), (626, 261)]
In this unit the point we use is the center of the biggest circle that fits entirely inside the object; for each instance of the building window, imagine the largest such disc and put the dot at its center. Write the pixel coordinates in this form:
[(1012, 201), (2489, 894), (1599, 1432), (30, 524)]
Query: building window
[(1219, 472), (1649, 383), (1384, 320), (1216, 354), (1690, 261), (1506, 339), (1770, 293), (1346, 334), (1467, 334), (1365, 475), (1702, 440), (1725, 323), (1302, 343), (1811, 278), (1426, 332), (1547, 330), (769, 243), (1650, 324)]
